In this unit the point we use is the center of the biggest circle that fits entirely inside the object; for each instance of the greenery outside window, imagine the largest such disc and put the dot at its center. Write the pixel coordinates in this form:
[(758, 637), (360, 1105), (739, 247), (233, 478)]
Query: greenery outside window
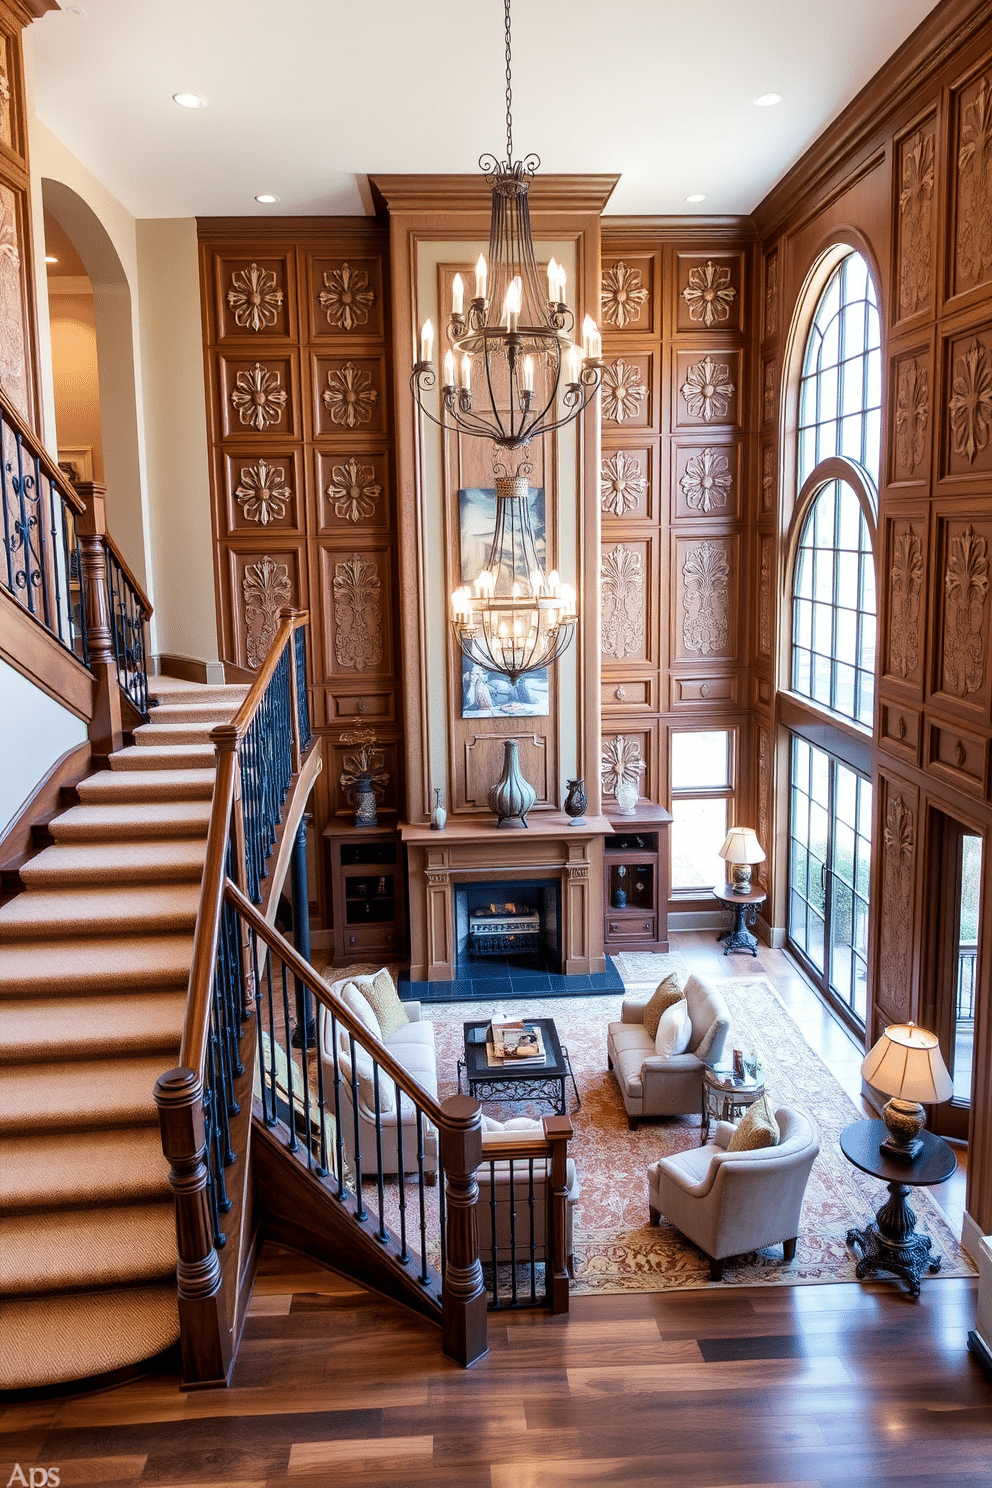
[(703, 784)]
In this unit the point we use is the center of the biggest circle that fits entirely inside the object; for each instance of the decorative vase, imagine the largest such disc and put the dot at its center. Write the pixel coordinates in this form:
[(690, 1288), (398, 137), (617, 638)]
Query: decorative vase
[(512, 796), (438, 816), (626, 794), (365, 806), (575, 803), (620, 893)]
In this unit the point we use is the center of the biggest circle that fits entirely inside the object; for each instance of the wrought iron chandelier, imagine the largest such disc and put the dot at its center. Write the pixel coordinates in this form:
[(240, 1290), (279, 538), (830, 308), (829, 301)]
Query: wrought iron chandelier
[(503, 381)]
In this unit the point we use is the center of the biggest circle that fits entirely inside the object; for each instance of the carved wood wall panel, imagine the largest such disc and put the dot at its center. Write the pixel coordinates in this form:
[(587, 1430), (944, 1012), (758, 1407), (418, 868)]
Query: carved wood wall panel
[(708, 388), (912, 427), (972, 160), (707, 480), (898, 816), (703, 598), (481, 764), (623, 589), (968, 406), (963, 663), (708, 292), (18, 349), (905, 546), (300, 423), (915, 176)]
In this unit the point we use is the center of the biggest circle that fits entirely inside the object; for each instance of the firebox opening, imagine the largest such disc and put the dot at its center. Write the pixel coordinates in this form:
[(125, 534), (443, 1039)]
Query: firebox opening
[(517, 923)]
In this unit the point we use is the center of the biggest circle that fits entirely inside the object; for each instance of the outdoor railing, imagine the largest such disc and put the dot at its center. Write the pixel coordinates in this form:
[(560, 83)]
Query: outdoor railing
[(41, 566), (967, 960)]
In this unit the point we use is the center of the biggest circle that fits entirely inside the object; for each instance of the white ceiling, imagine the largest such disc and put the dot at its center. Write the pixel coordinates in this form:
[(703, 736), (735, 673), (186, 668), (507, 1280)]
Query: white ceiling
[(308, 97)]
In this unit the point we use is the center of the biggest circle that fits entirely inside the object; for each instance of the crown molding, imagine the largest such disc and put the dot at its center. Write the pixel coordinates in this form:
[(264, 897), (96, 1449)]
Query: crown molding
[(687, 229), (216, 229), (578, 194), (895, 89)]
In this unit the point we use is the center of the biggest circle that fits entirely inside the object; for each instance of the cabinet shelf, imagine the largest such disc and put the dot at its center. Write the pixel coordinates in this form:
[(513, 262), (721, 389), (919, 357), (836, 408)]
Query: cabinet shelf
[(367, 892), (635, 887)]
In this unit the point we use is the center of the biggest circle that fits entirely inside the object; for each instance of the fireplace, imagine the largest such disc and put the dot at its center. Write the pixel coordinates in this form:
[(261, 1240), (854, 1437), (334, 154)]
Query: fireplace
[(517, 921)]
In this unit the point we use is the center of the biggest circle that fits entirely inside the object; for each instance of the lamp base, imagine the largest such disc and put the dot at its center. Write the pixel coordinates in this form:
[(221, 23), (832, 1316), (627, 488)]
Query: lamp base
[(740, 874), (905, 1120)]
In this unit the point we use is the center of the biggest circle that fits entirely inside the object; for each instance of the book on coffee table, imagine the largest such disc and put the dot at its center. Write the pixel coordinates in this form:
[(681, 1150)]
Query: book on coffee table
[(515, 1040)]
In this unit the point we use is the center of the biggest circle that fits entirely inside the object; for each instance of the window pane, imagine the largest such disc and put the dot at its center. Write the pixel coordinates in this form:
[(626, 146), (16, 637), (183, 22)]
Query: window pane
[(700, 761), (697, 833), (840, 385)]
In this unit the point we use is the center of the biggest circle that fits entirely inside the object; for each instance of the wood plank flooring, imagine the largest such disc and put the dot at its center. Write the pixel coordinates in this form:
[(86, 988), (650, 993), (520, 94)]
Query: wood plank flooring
[(797, 1387)]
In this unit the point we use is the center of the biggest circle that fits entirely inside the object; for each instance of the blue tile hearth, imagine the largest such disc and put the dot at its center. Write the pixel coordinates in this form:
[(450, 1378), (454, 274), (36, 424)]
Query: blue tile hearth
[(494, 978)]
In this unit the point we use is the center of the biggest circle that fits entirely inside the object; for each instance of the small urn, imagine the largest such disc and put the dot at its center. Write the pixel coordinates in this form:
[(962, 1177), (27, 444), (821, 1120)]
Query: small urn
[(438, 816), (366, 814), (626, 794), (575, 803), (512, 796)]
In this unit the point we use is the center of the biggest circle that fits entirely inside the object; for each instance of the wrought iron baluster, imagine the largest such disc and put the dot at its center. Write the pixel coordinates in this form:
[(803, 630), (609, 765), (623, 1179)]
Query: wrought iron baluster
[(293, 1143), (302, 696)]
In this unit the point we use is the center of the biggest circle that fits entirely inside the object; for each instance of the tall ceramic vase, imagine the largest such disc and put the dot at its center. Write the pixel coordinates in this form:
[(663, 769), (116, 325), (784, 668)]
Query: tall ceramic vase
[(512, 796)]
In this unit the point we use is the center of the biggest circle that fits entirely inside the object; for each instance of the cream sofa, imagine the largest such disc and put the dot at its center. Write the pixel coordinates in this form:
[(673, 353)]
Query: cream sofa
[(412, 1046), (511, 1237), (652, 1085)]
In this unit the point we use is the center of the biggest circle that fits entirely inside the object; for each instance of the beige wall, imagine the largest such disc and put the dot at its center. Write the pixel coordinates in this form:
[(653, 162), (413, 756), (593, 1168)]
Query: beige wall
[(75, 374), (35, 731)]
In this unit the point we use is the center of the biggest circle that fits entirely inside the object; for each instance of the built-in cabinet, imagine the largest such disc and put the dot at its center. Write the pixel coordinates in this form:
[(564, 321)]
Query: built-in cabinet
[(635, 885), (366, 871)]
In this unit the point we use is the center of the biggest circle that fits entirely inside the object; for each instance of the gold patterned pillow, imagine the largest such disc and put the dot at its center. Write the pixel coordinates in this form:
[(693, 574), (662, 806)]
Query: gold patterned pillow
[(381, 993), (756, 1128), (666, 992)]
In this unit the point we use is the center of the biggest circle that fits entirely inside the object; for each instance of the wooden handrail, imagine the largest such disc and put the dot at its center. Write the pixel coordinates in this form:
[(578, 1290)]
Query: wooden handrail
[(140, 594), (196, 1027), (290, 620), (38, 452)]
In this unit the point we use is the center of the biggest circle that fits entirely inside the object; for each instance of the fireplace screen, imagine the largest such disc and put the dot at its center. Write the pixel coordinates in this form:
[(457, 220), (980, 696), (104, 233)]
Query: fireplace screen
[(521, 921)]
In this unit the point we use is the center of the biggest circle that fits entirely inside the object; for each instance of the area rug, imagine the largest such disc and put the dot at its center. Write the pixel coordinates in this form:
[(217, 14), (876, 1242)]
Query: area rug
[(616, 1250)]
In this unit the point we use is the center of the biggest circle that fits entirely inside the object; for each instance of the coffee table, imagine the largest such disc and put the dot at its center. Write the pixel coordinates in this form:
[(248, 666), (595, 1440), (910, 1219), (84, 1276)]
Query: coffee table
[(532, 1079), (725, 1097), (891, 1242)]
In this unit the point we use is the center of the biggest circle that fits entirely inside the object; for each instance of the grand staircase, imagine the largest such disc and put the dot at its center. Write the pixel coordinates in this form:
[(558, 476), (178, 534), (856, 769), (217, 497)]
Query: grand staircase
[(94, 963)]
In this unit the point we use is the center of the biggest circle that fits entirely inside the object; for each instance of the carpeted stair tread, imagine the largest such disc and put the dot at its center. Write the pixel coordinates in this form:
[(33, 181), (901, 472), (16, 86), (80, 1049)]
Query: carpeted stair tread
[(171, 712), (96, 964), (166, 690), (138, 822), (112, 786), (143, 908), (164, 757), (43, 1028), (80, 863), (87, 1249), (97, 1093), (172, 733), (70, 1170), (47, 1340)]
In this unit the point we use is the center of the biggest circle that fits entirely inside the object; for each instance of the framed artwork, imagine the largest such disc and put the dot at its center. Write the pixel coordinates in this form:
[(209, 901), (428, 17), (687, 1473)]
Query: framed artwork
[(76, 461), (485, 693)]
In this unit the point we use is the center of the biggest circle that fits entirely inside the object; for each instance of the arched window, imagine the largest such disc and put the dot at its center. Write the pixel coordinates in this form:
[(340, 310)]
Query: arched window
[(832, 650)]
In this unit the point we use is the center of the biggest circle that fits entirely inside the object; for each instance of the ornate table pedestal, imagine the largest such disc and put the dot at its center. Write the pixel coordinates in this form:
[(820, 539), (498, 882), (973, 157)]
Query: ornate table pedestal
[(891, 1241), (745, 908)]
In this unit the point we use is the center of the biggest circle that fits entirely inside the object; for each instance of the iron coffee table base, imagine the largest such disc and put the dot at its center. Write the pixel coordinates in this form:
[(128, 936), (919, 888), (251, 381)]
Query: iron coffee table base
[(890, 1243)]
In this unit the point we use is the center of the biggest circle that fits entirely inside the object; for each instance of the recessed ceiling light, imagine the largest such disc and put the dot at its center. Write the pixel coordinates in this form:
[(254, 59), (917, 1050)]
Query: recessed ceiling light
[(265, 198), (50, 258), (697, 196), (76, 10), (189, 100), (768, 100)]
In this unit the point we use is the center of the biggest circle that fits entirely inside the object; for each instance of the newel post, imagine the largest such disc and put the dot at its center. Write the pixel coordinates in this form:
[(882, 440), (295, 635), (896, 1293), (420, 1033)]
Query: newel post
[(558, 1131), (463, 1296), (206, 1341), (106, 727)]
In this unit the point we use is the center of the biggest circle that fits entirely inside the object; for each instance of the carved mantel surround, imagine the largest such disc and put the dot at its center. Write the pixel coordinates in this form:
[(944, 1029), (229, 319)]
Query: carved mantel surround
[(474, 851)]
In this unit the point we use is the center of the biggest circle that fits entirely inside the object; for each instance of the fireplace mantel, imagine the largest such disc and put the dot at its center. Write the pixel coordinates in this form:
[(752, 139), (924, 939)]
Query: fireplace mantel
[(475, 849)]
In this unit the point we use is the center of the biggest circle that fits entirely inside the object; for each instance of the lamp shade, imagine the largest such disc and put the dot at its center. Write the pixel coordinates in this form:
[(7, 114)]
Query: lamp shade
[(906, 1063), (742, 846)]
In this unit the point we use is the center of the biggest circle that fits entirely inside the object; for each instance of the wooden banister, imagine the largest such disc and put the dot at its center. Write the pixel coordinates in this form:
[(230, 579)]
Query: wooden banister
[(291, 620), (196, 1027), (48, 466)]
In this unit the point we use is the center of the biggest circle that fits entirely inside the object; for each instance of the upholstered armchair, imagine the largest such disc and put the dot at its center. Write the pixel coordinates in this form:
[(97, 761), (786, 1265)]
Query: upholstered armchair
[(729, 1203), (653, 1084)]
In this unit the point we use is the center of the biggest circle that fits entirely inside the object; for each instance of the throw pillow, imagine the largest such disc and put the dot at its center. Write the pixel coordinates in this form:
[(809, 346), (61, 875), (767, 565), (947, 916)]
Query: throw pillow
[(666, 992), (356, 1002), (756, 1128), (380, 992), (674, 1030), (705, 1044), (365, 1070)]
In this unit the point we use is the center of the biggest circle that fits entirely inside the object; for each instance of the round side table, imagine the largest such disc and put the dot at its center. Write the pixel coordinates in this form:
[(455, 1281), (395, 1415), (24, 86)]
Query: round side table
[(745, 911), (891, 1242), (725, 1097)]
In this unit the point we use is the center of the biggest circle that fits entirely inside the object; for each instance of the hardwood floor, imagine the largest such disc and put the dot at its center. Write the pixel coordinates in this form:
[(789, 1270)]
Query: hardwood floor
[(800, 1387)]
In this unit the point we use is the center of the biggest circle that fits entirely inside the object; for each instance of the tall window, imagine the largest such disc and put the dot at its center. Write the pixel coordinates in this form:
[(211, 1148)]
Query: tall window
[(702, 788), (832, 659)]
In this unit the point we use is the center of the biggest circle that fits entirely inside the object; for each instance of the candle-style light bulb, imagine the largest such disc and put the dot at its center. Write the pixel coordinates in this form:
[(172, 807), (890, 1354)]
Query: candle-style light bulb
[(527, 381), (592, 341), (449, 369), (561, 285), (481, 275), (467, 373), (574, 362), (427, 342), (512, 302), (553, 273), (457, 294)]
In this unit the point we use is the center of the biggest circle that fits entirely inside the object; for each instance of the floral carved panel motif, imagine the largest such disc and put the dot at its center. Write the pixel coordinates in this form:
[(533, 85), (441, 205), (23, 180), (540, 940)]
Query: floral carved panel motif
[(916, 178), (258, 397), (622, 484), (263, 494), (254, 298), (5, 121), (912, 418), (707, 482), (973, 245), (707, 390), (349, 396), (970, 404), (346, 297), (771, 295), (13, 341), (767, 478), (768, 393), (622, 295), (709, 294), (706, 599), (622, 602), (624, 392), (353, 491), (621, 762), (899, 839), (765, 597), (966, 589), (266, 587), (357, 594), (906, 595)]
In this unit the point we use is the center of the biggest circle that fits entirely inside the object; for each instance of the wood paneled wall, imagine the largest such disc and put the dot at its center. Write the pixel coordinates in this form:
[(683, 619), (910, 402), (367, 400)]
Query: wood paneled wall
[(676, 483), (299, 383), (906, 176)]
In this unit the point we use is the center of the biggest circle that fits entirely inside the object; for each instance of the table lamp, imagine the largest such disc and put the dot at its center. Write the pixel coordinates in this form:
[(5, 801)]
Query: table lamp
[(906, 1065), (740, 850)]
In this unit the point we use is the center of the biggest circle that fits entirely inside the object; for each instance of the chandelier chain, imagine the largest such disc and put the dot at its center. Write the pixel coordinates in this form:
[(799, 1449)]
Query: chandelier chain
[(509, 87)]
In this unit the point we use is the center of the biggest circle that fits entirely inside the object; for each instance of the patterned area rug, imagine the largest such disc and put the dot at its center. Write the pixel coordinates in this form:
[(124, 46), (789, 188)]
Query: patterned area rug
[(616, 1250)]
